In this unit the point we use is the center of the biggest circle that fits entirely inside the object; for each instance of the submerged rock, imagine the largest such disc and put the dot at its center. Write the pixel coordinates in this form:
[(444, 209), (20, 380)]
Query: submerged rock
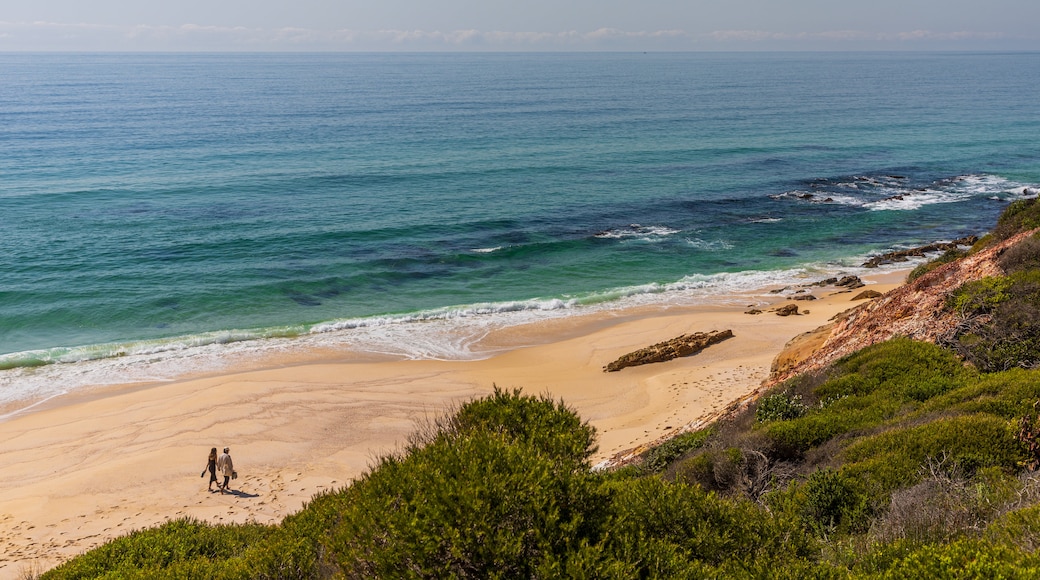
[(684, 345)]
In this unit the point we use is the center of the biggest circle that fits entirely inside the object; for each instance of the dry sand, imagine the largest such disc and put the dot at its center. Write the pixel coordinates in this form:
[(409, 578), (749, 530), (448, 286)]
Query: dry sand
[(84, 470)]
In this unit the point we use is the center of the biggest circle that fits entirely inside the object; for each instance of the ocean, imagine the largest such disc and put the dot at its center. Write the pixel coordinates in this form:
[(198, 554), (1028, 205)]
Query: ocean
[(169, 213)]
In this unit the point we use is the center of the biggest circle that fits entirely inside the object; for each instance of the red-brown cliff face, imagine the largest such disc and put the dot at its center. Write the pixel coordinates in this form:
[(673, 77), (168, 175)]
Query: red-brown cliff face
[(915, 310)]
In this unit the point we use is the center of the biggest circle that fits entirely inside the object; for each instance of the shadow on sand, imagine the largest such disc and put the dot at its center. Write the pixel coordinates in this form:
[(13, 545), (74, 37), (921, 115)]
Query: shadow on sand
[(235, 492)]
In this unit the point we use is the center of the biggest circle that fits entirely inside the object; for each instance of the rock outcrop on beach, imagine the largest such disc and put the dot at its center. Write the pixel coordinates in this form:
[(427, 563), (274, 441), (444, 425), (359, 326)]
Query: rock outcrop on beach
[(787, 310), (680, 346), (915, 310), (867, 295)]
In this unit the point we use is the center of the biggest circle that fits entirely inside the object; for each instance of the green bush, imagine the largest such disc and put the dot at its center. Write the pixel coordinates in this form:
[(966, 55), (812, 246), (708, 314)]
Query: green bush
[(661, 456), (478, 507), (835, 502), (1019, 216), (891, 459), (501, 492), (779, 407), (980, 296), (899, 364), (539, 421), (1019, 528), (865, 391), (1008, 394), (1002, 327), (965, 558), (661, 528), (177, 549), (718, 470), (790, 440), (1021, 257)]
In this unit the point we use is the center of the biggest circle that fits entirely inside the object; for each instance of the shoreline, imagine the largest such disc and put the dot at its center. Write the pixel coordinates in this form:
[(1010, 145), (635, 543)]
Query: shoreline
[(85, 468)]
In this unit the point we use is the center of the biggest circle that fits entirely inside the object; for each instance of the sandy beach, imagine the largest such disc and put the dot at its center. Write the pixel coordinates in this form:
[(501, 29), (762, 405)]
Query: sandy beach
[(84, 469)]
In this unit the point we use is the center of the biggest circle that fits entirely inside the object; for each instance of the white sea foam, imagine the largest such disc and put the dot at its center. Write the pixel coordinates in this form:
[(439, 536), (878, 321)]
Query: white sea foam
[(639, 232), (887, 193), (486, 250), (915, 200), (439, 334), (709, 245)]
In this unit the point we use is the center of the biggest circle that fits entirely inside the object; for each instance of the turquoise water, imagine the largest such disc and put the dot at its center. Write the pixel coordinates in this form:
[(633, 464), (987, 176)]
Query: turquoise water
[(155, 204)]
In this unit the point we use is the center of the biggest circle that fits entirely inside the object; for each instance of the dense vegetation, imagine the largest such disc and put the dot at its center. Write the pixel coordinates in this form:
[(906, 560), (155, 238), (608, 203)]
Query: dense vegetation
[(903, 460)]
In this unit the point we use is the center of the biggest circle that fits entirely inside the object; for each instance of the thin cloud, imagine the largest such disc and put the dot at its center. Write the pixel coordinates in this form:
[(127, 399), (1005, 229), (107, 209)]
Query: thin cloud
[(858, 36), (43, 35)]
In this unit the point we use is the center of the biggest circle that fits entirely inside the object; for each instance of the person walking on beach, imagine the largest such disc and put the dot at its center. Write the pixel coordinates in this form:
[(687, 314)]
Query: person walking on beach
[(211, 467), (226, 467)]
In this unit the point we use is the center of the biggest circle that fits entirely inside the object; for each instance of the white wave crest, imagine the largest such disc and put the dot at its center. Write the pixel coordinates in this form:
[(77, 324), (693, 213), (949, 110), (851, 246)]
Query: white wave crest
[(889, 193), (638, 232), (440, 334), (709, 245)]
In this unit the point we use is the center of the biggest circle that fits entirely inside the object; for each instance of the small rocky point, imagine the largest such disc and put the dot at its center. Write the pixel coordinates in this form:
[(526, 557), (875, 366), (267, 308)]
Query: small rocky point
[(915, 310), (904, 255), (684, 345)]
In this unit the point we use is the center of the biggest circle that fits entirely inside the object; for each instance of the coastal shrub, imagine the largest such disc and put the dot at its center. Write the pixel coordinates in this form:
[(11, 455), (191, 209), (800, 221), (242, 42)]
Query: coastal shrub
[(1020, 528), (1002, 321), (477, 507), (790, 440), (697, 470), (980, 296), (965, 558), (548, 425), (717, 470), (835, 502), (502, 492), (946, 503), (779, 407), (865, 391), (180, 548), (896, 366), (744, 472), (1021, 257), (827, 502), (663, 528), (663, 455), (890, 374), (890, 460), (1007, 394), (1019, 216)]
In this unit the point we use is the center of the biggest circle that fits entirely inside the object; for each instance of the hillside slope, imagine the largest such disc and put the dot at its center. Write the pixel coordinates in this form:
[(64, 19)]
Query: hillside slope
[(915, 310)]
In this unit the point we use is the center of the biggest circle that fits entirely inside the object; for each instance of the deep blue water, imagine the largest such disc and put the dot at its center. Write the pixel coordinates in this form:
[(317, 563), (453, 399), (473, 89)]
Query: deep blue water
[(153, 202)]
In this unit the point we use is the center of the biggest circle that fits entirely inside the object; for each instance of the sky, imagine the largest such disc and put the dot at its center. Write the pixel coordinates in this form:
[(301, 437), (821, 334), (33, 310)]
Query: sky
[(515, 25)]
